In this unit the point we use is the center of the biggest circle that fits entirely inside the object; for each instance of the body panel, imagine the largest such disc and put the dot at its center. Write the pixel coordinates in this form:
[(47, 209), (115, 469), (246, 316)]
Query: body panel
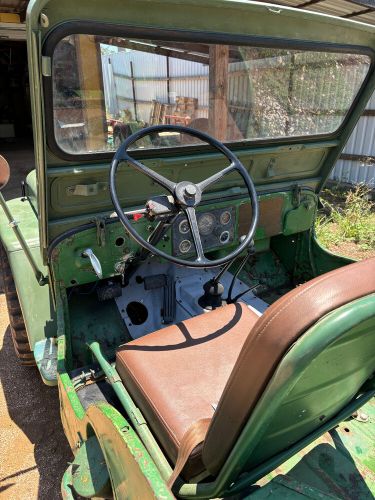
[(35, 300)]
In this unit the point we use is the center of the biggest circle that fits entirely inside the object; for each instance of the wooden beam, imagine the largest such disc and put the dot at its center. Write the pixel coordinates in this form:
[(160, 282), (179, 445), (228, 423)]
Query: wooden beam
[(364, 159), (143, 47), (218, 91), (358, 13), (91, 82)]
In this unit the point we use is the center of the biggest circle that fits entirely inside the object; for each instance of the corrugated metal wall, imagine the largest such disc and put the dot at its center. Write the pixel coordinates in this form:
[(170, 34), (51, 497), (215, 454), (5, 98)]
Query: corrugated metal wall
[(186, 78), (361, 143)]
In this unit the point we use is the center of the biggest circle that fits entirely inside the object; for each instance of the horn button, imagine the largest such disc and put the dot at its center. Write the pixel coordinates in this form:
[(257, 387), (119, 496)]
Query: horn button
[(188, 194)]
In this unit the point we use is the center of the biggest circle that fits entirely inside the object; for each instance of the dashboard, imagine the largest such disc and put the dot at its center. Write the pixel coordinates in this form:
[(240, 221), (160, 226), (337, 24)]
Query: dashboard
[(216, 228)]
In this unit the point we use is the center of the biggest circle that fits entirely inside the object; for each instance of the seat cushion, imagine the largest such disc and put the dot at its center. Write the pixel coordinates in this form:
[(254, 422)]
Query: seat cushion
[(177, 375)]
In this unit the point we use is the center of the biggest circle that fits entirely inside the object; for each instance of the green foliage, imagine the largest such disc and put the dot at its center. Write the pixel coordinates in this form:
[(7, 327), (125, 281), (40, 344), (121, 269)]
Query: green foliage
[(353, 220)]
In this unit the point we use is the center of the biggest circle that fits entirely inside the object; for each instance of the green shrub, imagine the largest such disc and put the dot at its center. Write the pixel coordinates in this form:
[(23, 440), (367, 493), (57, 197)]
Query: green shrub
[(354, 220)]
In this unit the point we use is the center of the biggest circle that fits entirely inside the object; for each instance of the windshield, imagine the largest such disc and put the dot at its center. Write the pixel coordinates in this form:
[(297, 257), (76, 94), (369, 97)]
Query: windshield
[(105, 88)]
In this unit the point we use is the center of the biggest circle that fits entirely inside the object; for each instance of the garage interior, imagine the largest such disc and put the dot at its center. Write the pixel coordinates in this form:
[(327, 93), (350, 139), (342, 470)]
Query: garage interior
[(16, 141)]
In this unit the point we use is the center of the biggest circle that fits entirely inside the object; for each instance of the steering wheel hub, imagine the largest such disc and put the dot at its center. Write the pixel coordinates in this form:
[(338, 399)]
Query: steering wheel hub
[(187, 194)]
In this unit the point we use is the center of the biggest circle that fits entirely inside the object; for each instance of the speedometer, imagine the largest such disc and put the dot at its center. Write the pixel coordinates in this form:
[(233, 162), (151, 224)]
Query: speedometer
[(206, 223)]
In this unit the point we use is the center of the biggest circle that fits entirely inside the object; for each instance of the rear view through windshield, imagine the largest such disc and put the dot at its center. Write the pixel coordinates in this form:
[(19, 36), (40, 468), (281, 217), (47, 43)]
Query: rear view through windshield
[(106, 88)]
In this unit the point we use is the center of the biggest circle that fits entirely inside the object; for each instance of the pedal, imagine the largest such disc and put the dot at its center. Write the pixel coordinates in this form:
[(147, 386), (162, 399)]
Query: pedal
[(169, 298), (169, 303)]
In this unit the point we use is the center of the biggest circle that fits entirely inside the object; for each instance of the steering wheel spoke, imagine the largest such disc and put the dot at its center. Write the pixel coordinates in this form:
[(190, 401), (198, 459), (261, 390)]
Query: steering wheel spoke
[(216, 177), (193, 223), (155, 176)]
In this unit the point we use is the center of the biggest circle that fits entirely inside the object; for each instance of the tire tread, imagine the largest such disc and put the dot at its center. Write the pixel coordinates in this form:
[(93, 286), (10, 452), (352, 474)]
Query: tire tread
[(16, 321)]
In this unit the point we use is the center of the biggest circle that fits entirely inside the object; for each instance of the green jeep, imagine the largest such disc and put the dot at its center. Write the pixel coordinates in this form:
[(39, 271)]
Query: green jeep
[(161, 266)]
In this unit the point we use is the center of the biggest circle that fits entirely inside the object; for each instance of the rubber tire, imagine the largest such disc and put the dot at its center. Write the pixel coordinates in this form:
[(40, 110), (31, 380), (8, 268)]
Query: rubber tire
[(17, 324)]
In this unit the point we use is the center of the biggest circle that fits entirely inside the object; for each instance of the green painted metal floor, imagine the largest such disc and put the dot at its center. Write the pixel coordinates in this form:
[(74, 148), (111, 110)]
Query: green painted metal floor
[(340, 465)]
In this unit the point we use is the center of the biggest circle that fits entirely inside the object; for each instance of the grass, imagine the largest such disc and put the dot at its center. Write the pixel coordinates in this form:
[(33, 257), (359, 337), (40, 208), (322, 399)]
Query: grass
[(346, 224)]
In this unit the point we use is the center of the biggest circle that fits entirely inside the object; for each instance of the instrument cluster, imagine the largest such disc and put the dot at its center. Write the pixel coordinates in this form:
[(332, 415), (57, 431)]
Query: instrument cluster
[(216, 228)]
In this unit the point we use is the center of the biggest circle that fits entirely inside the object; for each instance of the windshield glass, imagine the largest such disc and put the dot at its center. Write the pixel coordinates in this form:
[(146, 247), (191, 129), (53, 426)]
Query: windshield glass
[(105, 88)]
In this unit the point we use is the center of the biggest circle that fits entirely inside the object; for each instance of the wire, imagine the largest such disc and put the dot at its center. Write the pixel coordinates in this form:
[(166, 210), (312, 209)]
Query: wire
[(237, 297), (239, 269)]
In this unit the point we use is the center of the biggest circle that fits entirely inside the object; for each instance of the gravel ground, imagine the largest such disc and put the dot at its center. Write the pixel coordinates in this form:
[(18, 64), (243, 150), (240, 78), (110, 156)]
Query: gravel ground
[(33, 449)]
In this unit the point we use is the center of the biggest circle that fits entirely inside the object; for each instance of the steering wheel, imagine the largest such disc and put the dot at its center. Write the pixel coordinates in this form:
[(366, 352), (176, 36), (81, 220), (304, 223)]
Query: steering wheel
[(186, 195)]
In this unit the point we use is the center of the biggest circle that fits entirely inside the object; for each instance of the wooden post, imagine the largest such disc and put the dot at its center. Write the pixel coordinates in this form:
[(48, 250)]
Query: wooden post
[(218, 91), (91, 82)]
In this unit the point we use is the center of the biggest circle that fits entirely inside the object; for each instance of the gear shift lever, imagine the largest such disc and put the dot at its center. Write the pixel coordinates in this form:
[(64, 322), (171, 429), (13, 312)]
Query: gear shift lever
[(213, 289)]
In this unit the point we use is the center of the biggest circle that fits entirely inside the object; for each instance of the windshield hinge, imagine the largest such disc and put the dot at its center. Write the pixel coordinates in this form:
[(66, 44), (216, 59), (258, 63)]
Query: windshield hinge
[(296, 195), (46, 66)]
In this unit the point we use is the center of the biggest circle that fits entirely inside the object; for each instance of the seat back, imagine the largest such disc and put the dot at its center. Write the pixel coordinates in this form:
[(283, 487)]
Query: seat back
[(331, 367)]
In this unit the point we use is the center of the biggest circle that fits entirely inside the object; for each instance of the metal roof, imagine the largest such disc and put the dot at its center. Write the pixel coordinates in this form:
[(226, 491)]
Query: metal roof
[(359, 10)]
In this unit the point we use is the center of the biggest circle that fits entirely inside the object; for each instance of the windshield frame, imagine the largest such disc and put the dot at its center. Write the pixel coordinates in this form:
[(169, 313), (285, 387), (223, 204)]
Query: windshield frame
[(139, 32)]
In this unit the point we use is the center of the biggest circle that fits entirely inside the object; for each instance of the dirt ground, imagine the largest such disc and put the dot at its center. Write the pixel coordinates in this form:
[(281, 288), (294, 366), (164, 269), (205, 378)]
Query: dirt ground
[(33, 449)]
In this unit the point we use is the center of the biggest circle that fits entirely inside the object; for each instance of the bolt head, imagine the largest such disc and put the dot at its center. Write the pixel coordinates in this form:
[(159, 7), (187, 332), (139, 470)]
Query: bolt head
[(190, 190)]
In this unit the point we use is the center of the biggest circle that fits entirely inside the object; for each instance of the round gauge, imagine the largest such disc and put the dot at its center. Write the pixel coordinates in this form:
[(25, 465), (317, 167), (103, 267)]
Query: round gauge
[(206, 223), (183, 226), (225, 217), (224, 237), (184, 246)]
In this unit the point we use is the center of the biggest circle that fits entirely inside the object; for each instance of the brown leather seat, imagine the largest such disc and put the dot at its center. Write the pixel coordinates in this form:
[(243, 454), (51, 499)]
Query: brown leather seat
[(179, 374)]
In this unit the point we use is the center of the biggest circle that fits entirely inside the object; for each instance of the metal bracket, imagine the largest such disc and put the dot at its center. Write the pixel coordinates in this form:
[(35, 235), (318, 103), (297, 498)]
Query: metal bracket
[(46, 66), (100, 231), (271, 168), (43, 20)]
